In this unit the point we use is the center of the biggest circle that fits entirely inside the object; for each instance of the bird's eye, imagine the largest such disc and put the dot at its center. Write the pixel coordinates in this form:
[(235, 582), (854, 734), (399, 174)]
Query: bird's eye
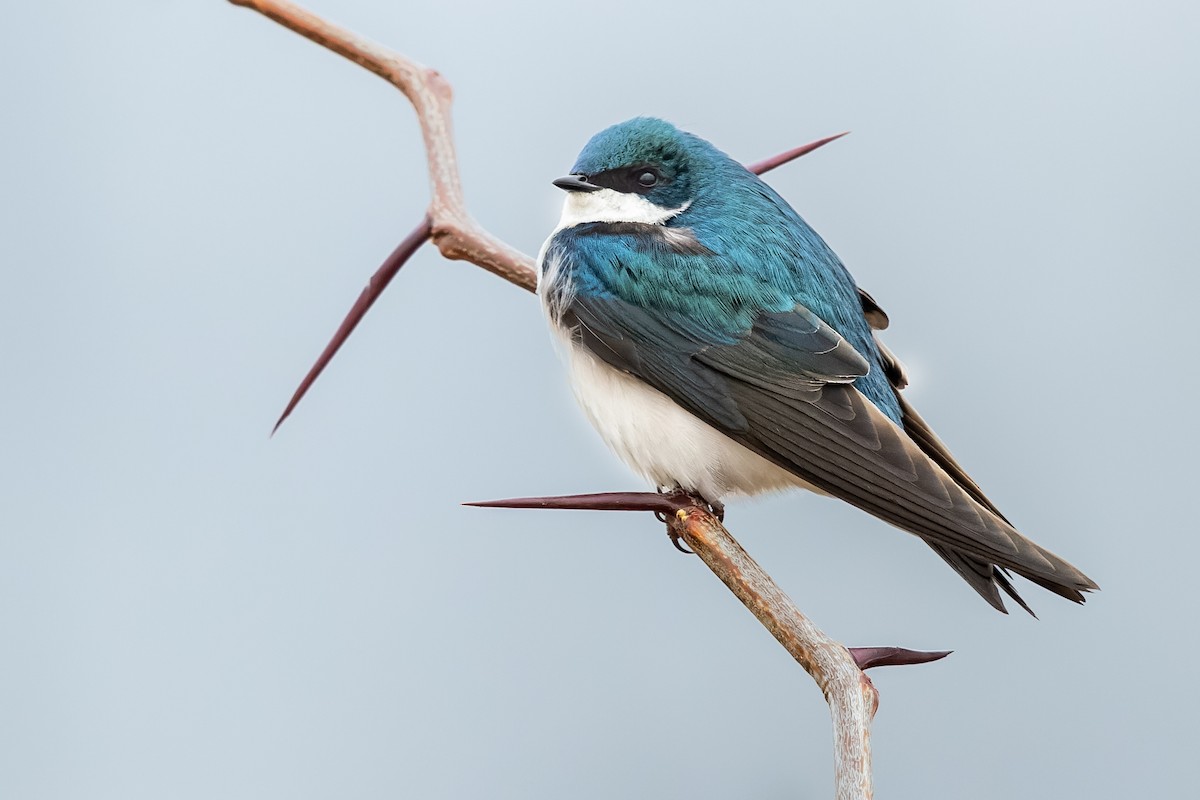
[(647, 179)]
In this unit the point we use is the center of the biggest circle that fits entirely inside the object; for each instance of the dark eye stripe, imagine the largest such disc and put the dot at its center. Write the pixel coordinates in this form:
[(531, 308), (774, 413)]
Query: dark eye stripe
[(627, 179)]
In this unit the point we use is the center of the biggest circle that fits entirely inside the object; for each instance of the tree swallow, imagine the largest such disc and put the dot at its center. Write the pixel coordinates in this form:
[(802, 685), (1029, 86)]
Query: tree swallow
[(721, 348)]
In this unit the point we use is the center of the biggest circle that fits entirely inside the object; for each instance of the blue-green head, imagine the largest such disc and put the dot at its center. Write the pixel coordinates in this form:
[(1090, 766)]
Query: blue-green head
[(644, 170)]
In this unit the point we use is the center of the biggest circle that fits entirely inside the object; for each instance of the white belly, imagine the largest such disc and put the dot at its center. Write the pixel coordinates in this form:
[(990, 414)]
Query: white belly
[(663, 442)]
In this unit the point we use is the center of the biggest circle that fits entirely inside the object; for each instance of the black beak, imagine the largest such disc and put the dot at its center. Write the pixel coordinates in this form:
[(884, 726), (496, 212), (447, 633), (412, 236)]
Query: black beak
[(576, 183)]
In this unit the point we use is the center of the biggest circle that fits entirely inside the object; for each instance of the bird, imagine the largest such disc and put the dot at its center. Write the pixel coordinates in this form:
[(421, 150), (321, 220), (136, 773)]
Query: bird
[(721, 348)]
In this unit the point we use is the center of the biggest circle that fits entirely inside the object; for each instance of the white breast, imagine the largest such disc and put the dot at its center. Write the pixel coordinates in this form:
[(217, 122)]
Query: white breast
[(660, 440)]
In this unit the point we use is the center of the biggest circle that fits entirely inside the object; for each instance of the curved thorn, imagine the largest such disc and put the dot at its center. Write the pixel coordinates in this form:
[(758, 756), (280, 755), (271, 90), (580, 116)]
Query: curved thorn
[(379, 281), (791, 155), (867, 657)]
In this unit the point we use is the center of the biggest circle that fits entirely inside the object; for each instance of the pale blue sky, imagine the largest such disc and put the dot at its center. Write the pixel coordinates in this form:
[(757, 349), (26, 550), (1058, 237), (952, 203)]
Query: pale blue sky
[(192, 198)]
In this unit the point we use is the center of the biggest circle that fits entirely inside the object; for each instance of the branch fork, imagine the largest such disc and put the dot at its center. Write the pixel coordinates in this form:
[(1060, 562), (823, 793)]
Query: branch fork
[(837, 670)]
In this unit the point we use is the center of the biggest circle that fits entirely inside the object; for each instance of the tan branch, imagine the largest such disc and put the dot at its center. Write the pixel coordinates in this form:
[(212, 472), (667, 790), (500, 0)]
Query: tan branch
[(456, 234), (852, 698), (849, 692)]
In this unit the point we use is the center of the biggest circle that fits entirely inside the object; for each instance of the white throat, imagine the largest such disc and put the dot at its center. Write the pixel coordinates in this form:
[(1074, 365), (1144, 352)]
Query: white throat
[(608, 205)]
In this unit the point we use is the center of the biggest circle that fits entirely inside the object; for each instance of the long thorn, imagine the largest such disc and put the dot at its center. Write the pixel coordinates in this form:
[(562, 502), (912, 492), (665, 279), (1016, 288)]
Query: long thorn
[(379, 281), (604, 501), (791, 155)]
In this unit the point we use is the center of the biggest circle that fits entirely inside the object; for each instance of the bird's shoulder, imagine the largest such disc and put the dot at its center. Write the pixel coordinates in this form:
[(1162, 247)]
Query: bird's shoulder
[(670, 269)]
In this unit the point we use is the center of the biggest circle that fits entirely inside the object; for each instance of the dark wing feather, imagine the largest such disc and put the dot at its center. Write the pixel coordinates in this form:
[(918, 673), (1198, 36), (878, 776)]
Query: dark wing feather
[(983, 576), (784, 389)]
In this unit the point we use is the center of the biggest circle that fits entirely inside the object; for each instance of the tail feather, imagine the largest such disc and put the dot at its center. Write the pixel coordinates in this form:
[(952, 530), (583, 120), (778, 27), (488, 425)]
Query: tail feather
[(983, 576)]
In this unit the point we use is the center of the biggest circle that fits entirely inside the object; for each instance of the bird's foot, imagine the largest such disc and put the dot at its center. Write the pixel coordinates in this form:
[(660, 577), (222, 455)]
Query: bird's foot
[(715, 507)]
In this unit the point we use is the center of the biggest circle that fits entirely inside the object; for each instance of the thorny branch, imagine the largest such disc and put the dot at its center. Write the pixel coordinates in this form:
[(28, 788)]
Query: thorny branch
[(837, 670)]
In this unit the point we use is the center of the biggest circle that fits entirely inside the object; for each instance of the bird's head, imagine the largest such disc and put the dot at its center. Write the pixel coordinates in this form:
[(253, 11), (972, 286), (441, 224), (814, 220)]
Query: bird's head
[(643, 170)]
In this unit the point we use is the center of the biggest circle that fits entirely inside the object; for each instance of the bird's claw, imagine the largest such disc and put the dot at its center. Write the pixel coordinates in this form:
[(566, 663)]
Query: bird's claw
[(675, 539)]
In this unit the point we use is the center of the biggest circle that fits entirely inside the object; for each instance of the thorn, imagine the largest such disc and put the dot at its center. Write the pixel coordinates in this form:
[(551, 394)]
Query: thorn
[(603, 501), (867, 657), (791, 155), (379, 281), (665, 505)]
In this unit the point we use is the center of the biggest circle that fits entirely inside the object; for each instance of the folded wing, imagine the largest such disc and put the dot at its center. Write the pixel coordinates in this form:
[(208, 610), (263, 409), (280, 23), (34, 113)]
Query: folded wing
[(785, 389)]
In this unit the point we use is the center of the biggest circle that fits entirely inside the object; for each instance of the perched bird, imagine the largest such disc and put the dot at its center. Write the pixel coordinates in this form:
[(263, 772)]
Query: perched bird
[(720, 347)]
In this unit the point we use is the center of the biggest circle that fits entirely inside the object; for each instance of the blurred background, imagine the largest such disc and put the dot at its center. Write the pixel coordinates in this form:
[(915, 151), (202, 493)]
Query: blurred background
[(191, 199)]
